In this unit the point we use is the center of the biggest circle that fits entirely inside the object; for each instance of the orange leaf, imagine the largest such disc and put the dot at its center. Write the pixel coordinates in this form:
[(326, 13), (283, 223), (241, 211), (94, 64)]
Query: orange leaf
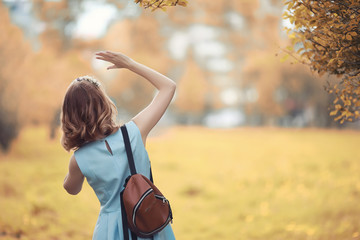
[(333, 113), (348, 37)]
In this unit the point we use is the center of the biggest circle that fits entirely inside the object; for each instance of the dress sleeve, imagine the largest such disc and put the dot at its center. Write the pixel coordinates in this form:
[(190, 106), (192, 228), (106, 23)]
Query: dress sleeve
[(80, 162), (134, 132), (140, 153)]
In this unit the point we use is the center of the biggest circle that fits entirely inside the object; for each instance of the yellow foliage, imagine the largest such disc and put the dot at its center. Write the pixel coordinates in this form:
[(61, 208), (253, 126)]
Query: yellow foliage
[(333, 113), (160, 4), (329, 33)]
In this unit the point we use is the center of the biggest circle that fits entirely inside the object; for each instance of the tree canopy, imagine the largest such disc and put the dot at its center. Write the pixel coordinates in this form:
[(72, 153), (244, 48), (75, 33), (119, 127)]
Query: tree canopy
[(326, 35)]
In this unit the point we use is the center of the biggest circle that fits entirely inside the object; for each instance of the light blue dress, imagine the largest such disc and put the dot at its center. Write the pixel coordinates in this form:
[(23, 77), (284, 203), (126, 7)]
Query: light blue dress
[(106, 174)]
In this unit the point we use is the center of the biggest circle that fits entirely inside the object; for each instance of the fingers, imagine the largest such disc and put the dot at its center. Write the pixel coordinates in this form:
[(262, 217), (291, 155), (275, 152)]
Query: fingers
[(110, 53), (112, 67), (101, 58), (105, 56), (115, 58)]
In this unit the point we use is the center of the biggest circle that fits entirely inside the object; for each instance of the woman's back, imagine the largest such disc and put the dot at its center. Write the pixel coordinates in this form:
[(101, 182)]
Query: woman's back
[(106, 170)]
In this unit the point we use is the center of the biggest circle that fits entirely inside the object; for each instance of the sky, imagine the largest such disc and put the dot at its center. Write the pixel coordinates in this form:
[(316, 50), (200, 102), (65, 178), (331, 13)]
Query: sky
[(93, 21)]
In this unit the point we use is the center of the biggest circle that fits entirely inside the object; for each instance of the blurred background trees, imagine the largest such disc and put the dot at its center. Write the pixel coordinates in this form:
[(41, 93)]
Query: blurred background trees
[(223, 55), (14, 52)]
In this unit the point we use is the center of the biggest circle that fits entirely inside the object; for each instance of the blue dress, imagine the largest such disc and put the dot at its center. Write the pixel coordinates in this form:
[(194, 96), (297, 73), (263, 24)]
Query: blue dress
[(106, 174)]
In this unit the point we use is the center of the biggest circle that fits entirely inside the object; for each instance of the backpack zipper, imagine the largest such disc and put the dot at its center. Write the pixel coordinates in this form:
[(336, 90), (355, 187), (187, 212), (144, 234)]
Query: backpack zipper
[(169, 219), (166, 201), (150, 190), (162, 198)]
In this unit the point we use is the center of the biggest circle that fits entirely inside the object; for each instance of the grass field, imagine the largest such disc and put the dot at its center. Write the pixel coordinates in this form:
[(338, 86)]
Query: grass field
[(247, 183)]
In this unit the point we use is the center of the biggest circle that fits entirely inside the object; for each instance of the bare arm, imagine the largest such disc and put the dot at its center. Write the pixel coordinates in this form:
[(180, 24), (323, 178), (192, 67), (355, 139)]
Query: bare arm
[(74, 179), (149, 117)]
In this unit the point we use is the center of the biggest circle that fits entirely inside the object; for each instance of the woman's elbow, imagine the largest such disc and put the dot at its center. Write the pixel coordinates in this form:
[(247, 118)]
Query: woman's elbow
[(172, 87), (71, 189), (169, 87)]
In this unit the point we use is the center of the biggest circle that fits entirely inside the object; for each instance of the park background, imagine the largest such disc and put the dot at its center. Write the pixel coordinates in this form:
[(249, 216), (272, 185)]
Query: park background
[(247, 149)]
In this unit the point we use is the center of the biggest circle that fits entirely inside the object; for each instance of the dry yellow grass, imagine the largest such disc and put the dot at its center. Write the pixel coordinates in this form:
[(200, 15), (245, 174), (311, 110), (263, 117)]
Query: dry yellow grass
[(250, 183)]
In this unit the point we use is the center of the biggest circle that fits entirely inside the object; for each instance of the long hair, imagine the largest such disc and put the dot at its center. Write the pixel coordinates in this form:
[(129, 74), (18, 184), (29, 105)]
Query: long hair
[(87, 115)]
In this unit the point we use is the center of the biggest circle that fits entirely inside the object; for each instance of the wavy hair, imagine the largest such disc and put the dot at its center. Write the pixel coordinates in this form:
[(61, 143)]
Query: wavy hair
[(87, 115)]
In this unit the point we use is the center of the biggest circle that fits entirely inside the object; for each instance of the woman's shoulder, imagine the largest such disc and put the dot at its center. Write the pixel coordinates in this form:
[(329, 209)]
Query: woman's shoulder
[(134, 133), (132, 128)]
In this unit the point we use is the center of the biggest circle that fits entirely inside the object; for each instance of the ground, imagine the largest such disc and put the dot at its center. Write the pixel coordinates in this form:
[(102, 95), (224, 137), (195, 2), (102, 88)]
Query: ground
[(246, 183)]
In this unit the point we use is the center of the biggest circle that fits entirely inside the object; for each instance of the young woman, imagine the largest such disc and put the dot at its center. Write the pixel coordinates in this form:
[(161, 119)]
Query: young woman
[(89, 128)]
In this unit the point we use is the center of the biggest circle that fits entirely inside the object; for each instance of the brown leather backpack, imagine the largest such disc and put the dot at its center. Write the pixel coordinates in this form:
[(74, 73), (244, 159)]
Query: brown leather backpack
[(144, 208)]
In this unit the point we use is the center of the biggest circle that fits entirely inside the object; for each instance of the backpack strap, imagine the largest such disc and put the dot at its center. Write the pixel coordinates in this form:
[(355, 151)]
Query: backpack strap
[(133, 236), (128, 149), (151, 177), (124, 219), (133, 171)]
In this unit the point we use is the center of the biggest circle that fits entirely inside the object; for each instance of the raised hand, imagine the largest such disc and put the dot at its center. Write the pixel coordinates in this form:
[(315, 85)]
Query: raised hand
[(148, 117), (118, 60)]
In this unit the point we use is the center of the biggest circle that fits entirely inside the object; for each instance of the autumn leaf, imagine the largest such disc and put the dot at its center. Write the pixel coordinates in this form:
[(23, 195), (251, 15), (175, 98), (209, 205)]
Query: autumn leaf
[(160, 4), (333, 113), (348, 37)]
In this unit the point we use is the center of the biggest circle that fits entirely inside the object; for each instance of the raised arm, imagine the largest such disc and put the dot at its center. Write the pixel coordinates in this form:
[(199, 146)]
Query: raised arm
[(148, 117)]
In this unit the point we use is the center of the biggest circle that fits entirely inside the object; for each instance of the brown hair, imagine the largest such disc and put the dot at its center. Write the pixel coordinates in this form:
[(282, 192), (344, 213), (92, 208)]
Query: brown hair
[(87, 115)]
